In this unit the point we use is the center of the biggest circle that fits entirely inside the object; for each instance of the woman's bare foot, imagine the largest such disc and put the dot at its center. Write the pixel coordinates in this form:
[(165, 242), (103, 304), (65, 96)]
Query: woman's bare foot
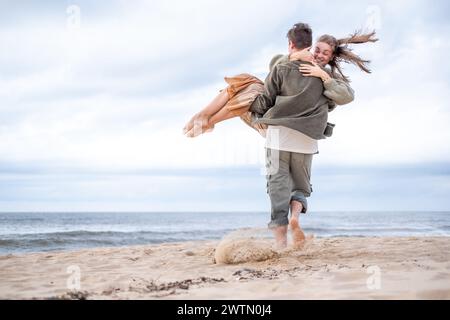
[(190, 124), (214, 108), (200, 125)]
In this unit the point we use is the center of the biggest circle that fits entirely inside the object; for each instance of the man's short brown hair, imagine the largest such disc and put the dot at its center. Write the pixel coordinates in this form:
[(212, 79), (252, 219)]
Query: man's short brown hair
[(300, 35)]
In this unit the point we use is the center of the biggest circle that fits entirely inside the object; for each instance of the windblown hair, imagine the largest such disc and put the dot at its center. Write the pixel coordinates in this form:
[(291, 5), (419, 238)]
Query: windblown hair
[(342, 53)]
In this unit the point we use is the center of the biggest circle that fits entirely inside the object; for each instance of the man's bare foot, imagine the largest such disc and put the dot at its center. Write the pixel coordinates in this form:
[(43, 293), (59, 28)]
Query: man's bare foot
[(280, 234), (298, 236)]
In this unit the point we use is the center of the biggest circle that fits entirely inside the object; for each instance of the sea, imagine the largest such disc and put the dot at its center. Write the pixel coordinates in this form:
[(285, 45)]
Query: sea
[(49, 231)]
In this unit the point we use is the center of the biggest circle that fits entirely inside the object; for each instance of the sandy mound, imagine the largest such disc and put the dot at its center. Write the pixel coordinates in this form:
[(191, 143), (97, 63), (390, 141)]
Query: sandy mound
[(243, 250), (244, 246)]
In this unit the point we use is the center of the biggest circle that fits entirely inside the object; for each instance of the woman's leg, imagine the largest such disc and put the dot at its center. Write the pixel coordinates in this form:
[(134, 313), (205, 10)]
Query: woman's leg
[(222, 115), (202, 125), (214, 106)]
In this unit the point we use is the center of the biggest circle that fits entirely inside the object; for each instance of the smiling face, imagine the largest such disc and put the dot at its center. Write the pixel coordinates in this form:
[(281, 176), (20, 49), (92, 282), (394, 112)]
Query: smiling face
[(323, 53)]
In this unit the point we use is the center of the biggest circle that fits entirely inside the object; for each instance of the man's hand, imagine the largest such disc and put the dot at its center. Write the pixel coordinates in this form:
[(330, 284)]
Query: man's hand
[(303, 55)]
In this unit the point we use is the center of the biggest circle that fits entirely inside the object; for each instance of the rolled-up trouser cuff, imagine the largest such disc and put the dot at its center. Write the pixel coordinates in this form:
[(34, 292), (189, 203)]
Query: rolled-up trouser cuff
[(298, 196), (278, 222)]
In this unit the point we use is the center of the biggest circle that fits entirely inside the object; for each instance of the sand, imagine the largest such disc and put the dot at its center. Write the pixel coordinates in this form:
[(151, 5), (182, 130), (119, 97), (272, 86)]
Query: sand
[(326, 268)]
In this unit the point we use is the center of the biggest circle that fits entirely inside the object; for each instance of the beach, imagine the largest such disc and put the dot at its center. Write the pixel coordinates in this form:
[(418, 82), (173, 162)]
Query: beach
[(325, 268)]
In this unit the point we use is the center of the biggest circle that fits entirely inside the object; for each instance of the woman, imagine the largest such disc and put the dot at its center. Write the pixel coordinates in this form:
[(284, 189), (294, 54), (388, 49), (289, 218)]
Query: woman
[(242, 89)]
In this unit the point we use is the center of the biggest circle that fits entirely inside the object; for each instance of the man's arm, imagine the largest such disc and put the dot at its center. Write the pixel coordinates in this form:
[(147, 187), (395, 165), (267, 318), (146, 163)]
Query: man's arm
[(266, 100)]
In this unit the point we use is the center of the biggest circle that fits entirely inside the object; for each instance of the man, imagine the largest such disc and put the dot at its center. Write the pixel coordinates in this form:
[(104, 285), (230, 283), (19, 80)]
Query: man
[(296, 113)]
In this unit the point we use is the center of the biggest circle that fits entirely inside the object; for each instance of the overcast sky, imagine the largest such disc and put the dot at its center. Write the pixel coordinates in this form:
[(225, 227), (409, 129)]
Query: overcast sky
[(93, 97)]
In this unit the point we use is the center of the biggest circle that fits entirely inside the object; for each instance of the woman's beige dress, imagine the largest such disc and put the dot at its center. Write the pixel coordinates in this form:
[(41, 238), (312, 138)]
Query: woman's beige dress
[(242, 91)]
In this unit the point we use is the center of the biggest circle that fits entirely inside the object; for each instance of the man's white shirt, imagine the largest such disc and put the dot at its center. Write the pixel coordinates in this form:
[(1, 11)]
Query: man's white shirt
[(286, 139)]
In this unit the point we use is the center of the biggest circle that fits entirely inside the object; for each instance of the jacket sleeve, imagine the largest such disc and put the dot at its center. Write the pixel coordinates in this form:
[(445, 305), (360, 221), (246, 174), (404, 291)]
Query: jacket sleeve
[(266, 100), (279, 58), (338, 91)]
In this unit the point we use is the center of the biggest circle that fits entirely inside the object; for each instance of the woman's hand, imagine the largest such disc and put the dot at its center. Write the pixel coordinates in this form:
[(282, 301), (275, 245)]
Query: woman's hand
[(303, 55), (314, 71)]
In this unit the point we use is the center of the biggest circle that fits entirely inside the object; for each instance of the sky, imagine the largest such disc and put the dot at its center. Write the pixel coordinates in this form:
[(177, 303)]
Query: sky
[(94, 96)]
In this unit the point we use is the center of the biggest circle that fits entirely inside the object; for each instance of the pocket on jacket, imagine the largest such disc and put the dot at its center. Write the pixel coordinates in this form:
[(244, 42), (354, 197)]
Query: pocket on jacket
[(329, 129)]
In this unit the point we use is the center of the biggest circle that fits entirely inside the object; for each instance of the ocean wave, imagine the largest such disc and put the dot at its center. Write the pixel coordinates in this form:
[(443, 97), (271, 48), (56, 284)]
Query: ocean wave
[(83, 239), (44, 232), (90, 234)]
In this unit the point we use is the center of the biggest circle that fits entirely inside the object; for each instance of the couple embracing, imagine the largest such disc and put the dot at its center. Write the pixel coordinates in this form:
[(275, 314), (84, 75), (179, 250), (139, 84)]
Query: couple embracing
[(290, 109)]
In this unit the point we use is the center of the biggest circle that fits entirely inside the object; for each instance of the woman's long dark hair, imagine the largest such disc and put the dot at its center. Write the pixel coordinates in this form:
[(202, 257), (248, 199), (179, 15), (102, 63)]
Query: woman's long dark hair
[(342, 53)]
